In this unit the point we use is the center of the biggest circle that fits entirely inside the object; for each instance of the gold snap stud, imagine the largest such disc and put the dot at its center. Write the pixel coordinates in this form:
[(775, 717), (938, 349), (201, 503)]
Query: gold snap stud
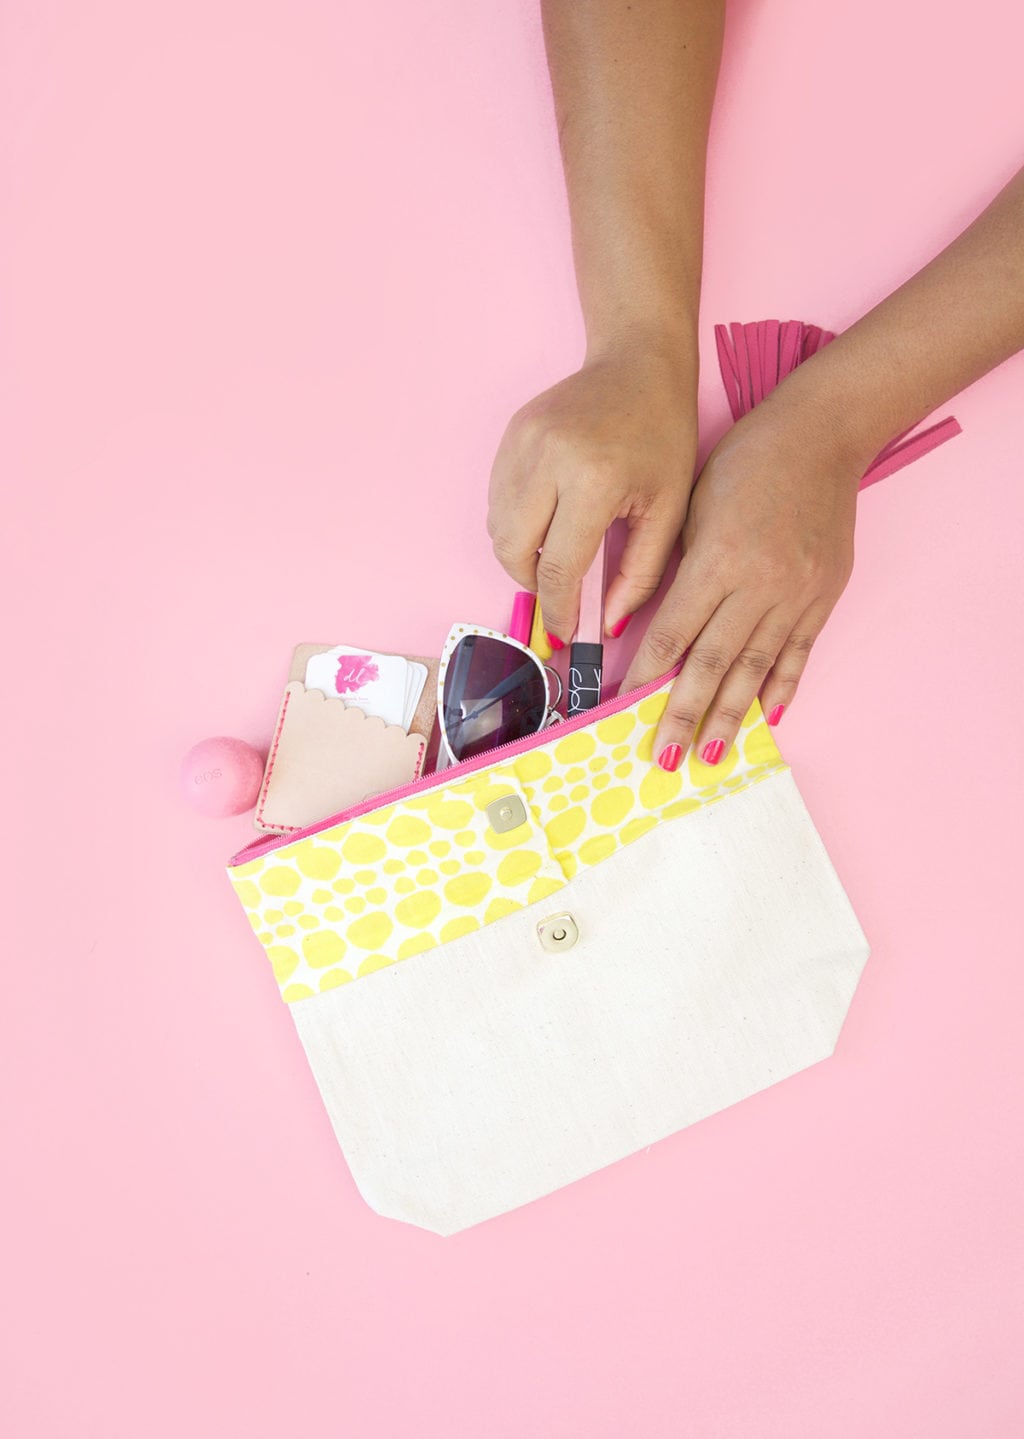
[(506, 813), (558, 932)]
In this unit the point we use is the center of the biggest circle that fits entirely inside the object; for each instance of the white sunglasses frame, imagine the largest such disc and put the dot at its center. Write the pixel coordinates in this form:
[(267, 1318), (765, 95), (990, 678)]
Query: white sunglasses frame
[(459, 632)]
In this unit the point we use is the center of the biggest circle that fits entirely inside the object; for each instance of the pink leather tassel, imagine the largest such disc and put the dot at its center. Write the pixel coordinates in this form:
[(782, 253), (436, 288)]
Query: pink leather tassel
[(771, 345), (788, 348), (755, 349), (739, 343), (753, 358), (911, 450), (727, 365)]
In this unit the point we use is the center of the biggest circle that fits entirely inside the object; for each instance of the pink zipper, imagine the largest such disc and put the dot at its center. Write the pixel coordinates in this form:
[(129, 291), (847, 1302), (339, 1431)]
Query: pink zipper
[(260, 847)]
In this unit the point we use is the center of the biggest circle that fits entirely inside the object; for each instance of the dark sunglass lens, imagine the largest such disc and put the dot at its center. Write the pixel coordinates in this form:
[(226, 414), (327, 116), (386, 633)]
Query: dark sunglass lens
[(493, 694)]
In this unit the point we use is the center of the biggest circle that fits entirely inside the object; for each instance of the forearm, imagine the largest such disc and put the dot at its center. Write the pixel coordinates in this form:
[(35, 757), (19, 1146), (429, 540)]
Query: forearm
[(958, 318), (633, 86)]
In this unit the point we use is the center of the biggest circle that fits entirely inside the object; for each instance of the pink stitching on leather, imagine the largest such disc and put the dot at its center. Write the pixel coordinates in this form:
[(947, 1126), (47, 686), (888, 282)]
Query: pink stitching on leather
[(270, 770), (294, 828)]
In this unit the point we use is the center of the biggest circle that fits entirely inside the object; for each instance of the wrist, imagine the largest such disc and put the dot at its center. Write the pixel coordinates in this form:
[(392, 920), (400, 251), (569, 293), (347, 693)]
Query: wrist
[(835, 417), (672, 346)]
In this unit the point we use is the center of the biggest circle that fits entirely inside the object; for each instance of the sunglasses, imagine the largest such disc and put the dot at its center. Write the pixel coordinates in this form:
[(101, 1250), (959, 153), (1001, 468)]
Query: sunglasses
[(491, 691)]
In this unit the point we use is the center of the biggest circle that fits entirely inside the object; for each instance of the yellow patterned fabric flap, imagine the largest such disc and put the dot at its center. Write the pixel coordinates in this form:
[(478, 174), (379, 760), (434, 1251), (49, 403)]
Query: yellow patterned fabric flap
[(426, 869)]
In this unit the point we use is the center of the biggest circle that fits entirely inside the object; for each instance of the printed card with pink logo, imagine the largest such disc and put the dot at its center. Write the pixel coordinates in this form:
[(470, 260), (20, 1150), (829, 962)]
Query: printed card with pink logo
[(353, 722), (388, 686)]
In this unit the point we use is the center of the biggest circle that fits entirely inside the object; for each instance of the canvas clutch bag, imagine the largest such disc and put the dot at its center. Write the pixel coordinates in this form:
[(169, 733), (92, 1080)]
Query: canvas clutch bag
[(512, 973)]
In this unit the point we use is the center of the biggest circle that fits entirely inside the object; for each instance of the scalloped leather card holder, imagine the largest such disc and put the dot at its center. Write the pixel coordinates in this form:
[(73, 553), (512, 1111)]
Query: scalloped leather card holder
[(326, 756)]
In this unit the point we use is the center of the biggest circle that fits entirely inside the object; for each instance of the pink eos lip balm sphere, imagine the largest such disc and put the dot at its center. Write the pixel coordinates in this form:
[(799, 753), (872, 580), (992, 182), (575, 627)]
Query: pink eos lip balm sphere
[(222, 776)]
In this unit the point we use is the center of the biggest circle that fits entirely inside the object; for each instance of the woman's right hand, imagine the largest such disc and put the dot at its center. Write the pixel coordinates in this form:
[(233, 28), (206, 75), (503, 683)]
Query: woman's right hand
[(616, 440)]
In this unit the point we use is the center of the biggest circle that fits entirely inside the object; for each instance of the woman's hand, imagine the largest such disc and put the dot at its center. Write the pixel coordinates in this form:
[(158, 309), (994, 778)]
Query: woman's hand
[(767, 551), (617, 440)]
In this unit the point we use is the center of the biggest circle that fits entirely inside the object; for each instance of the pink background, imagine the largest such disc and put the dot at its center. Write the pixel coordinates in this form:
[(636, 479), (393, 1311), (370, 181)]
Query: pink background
[(275, 276)]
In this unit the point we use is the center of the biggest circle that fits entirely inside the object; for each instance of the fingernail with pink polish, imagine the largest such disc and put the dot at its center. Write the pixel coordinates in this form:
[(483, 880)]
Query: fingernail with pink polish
[(555, 642), (713, 751), (620, 628), (776, 714), (670, 757)]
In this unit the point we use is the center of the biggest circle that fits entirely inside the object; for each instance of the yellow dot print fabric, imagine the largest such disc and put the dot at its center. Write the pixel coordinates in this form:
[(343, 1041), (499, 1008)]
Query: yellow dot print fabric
[(424, 870)]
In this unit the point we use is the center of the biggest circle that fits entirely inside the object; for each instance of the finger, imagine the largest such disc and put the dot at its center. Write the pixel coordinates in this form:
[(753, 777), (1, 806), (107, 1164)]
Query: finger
[(693, 598), (740, 684), (518, 532), (644, 560), (780, 686), (520, 508), (710, 657), (570, 546)]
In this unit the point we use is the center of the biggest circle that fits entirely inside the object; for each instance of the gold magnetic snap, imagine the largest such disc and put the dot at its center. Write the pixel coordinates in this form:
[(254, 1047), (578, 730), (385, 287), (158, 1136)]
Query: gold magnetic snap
[(559, 932), (506, 813)]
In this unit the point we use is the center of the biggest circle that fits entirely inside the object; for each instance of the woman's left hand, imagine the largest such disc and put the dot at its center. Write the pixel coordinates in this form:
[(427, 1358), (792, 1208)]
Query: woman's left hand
[(767, 551)]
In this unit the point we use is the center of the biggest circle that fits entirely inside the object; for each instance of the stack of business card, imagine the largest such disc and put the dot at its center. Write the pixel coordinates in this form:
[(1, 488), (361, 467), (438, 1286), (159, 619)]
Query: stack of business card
[(387, 686), (353, 723)]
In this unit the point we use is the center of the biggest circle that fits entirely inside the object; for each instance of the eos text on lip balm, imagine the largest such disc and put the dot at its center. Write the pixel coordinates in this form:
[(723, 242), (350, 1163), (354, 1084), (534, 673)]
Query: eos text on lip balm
[(221, 776)]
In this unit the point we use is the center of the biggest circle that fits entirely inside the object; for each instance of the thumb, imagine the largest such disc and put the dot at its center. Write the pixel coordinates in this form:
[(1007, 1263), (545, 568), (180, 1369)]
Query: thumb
[(645, 558)]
